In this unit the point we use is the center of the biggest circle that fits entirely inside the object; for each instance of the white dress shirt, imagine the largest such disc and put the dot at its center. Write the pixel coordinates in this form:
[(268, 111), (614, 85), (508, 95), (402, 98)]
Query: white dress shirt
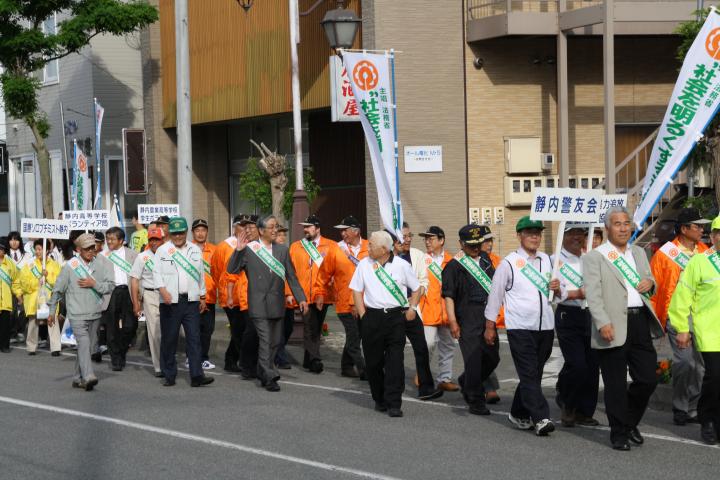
[(142, 272), (576, 263), (375, 294), (120, 275)]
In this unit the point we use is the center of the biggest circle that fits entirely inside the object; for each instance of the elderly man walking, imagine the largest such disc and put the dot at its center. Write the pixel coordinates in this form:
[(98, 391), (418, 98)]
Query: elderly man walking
[(267, 265), (618, 285), (82, 283)]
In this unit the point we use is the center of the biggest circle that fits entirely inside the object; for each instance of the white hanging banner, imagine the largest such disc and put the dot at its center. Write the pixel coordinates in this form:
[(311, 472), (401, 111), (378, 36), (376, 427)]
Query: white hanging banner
[(371, 78), (88, 219), (693, 105), (566, 204), (83, 189)]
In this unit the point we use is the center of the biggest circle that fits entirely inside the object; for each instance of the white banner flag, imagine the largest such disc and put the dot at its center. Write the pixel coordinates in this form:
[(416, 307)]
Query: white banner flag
[(82, 181), (371, 81), (693, 105)]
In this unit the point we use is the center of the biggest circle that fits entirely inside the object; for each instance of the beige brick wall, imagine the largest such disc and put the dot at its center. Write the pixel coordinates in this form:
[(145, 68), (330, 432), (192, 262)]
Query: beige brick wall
[(512, 96)]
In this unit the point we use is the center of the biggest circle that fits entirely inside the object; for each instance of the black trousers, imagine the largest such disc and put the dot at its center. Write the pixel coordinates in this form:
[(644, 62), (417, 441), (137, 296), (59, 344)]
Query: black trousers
[(312, 331), (282, 356), (6, 324), (120, 324), (250, 346), (415, 332), (479, 358), (383, 341), (530, 350), (187, 315), (207, 328), (352, 355), (578, 380), (625, 405), (19, 320), (237, 327), (709, 403)]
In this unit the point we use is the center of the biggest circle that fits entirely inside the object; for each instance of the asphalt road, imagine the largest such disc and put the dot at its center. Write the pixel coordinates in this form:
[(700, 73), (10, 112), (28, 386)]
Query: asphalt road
[(317, 427)]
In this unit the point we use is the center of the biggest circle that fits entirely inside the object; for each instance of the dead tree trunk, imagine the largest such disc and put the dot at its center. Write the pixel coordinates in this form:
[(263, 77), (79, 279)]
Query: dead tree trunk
[(274, 165)]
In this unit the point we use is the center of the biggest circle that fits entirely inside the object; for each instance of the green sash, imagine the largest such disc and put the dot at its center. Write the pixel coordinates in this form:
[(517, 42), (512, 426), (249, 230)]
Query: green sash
[(312, 250), (434, 268), (39, 276), (184, 263), (267, 258), (80, 270), (149, 262), (625, 269), (206, 266), (714, 258), (5, 277), (474, 269), (390, 285), (528, 271), (571, 275), (120, 262), (674, 254)]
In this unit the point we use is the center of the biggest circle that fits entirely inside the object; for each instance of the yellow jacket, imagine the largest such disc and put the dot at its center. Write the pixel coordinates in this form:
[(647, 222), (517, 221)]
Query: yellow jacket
[(28, 284), (9, 276)]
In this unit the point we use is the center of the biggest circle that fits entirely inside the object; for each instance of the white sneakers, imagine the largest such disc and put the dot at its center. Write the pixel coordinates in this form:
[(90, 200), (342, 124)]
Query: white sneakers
[(521, 423), (206, 365), (543, 427)]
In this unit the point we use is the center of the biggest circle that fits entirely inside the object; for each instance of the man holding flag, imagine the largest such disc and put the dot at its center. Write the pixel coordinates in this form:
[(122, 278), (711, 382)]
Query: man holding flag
[(667, 264)]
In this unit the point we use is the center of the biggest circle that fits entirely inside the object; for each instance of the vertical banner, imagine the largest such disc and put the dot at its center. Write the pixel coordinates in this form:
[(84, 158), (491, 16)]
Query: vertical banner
[(99, 113), (343, 105), (693, 105), (371, 80), (82, 180)]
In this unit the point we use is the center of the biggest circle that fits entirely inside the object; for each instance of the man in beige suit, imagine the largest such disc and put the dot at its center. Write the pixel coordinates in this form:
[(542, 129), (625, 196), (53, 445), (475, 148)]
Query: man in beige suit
[(618, 285)]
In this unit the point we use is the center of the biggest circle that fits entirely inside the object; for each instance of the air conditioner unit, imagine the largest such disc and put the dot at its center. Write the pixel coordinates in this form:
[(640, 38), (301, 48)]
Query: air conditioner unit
[(547, 161), (522, 155)]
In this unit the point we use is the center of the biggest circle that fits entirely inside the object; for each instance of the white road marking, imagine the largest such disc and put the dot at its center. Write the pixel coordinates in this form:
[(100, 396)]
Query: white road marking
[(197, 438), (655, 436)]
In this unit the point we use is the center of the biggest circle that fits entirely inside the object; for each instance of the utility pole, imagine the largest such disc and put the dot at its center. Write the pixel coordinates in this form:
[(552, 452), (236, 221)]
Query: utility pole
[(301, 208), (184, 127), (609, 81)]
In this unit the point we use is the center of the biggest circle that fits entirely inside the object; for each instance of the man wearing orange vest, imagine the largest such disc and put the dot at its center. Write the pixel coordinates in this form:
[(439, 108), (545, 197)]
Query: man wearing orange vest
[(432, 306), (354, 248), (667, 264), (207, 317), (314, 256), (231, 292)]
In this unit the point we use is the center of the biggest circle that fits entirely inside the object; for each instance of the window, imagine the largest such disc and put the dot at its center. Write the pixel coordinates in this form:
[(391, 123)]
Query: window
[(50, 70)]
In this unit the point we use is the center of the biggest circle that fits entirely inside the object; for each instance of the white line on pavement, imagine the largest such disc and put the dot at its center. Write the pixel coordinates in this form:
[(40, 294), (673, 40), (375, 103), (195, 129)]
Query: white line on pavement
[(196, 438), (655, 436)]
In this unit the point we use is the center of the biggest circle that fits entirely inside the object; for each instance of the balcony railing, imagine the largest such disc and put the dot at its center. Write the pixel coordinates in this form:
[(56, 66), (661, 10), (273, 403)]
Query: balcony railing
[(478, 9)]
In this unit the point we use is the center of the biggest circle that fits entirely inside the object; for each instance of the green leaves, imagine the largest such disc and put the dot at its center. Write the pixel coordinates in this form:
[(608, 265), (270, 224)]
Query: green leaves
[(20, 94)]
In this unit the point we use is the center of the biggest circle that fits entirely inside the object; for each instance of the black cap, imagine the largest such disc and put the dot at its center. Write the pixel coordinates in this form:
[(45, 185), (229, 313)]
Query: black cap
[(393, 236), (199, 223), (244, 219), (691, 215), (348, 222), (474, 234), (162, 220), (311, 221), (254, 219), (99, 237), (282, 228), (4, 244), (433, 231)]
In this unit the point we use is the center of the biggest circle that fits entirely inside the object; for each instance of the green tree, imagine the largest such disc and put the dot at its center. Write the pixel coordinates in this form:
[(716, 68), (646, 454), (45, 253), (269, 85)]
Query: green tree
[(25, 49), (707, 151)]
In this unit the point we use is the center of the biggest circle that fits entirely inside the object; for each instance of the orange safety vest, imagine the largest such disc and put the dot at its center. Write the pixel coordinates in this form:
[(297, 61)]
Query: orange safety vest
[(666, 273), (207, 253), (432, 304), (343, 274), (500, 322), (218, 268), (309, 274)]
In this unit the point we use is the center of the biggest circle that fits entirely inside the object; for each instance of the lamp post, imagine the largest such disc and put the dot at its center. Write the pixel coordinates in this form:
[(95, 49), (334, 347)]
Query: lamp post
[(341, 26)]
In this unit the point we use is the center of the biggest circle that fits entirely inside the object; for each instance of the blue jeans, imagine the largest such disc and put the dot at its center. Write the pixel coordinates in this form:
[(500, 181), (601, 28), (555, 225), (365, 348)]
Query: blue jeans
[(172, 317)]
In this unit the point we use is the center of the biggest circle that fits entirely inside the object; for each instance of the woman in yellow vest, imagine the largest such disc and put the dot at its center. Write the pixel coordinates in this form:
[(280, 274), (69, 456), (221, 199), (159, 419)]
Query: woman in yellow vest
[(8, 275), (27, 290)]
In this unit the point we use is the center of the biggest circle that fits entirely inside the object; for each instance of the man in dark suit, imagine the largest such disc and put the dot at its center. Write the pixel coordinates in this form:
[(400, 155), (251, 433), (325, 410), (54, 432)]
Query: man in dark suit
[(267, 265)]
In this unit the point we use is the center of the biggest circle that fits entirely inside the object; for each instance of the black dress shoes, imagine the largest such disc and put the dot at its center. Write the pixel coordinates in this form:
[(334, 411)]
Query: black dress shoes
[(432, 395), (232, 368), (201, 381), (55, 354), (708, 433), (380, 407), (159, 374), (168, 383), (478, 410), (395, 412), (621, 445), (272, 386), (635, 437), (96, 357)]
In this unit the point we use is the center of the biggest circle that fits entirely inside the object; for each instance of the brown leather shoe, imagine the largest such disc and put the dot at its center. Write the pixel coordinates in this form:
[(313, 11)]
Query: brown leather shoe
[(449, 386), (492, 397)]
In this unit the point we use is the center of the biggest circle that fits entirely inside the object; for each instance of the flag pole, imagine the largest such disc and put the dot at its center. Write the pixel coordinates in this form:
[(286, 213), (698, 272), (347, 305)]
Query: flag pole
[(65, 151), (73, 202), (398, 207), (98, 167)]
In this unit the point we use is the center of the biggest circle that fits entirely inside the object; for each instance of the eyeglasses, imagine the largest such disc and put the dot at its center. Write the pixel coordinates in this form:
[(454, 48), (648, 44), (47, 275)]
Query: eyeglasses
[(407, 236)]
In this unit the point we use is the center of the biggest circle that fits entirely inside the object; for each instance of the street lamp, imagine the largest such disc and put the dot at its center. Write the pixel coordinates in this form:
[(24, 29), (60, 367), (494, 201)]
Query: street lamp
[(341, 26)]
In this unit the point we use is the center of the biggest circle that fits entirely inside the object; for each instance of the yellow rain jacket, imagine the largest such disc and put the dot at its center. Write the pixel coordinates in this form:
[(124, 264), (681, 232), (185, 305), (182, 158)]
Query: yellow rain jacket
[(28, 284), (8, 276), (697, 294)]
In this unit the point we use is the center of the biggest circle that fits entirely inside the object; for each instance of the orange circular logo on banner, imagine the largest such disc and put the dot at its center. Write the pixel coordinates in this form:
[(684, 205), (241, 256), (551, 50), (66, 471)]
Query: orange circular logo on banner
[(82, 163), (366, 75), (674, 252), (613, 255), (520, 263), (712, 43)]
